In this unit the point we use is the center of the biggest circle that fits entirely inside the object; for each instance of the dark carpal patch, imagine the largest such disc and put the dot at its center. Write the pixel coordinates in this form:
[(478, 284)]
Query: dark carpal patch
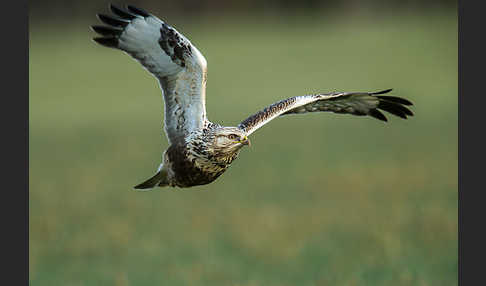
[(174, 45)]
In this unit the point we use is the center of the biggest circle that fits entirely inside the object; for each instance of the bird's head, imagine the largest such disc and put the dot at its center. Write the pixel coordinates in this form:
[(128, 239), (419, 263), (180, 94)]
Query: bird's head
[(224, 143), (229, 139), (218, 143)]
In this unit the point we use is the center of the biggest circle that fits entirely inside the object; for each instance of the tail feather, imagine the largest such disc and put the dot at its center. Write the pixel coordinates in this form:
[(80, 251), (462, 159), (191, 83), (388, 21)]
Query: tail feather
[(159, 179)]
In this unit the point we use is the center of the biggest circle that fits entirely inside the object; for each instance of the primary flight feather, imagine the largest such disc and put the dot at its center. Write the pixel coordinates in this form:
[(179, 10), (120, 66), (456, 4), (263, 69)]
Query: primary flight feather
[(200, 151)]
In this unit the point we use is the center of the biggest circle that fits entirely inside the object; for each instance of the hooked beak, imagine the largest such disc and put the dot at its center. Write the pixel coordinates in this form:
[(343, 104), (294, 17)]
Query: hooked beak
[(246, 141)]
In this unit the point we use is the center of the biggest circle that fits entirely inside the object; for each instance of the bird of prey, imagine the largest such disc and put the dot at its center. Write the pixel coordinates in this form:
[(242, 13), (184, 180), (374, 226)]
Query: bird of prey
[(200, 150)]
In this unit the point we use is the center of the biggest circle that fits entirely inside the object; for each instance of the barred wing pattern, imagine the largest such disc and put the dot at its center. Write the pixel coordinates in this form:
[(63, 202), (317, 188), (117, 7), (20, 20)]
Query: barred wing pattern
[(179, 66), (355, 103)]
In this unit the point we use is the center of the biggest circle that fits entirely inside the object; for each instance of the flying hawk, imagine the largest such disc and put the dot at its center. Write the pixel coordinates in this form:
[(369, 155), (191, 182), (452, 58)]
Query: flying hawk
[(200, 151)]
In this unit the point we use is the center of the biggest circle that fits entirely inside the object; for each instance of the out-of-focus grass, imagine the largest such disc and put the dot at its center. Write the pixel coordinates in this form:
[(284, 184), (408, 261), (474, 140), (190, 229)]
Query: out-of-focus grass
[(319, 199)]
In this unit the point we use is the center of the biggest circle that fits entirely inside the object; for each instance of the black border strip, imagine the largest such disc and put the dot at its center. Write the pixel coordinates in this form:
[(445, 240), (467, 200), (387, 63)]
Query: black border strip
[(15, 132), (471, 142)]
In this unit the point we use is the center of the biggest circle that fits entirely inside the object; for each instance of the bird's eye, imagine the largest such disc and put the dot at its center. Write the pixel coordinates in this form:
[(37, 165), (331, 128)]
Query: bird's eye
[(232, 136)]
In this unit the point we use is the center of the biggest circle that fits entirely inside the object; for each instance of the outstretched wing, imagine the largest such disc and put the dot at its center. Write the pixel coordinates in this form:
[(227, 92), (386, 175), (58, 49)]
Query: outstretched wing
[(356, 103), (169, 56)]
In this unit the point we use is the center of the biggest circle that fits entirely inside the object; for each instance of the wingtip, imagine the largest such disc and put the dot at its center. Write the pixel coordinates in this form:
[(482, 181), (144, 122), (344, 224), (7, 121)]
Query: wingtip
[(112, 7), (107, 31), (378, 115), (112, 21), (383, 91), (138, 11), (123, 13), (396, 100), (407, 102), (395, 108), (110, 42)]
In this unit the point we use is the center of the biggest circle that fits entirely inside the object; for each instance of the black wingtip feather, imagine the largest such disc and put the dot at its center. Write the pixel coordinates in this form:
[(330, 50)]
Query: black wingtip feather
[(393, 108), (396, 106), (405, 110), (110, 42), (112, 21), (378, 115), (138, 11), (107, 31), (383, 91), (396, 99), (122, 13), (392, 104)]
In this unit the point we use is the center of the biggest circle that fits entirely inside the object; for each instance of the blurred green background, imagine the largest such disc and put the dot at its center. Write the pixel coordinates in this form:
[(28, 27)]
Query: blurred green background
[(318, 199)]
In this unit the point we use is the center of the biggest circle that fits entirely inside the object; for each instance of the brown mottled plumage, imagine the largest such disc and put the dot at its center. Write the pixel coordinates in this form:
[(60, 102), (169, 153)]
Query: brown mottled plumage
[(201, 151)]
